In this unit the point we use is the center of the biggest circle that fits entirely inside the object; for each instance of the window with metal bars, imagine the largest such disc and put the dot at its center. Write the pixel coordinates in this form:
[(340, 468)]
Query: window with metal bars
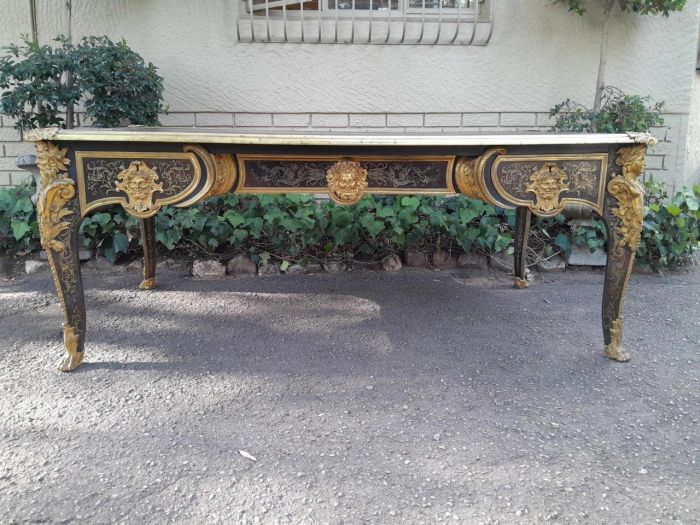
[(437, 22)]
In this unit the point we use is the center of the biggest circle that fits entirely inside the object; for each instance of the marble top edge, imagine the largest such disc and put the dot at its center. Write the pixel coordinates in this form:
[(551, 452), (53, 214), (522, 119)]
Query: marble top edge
[(327, 138)]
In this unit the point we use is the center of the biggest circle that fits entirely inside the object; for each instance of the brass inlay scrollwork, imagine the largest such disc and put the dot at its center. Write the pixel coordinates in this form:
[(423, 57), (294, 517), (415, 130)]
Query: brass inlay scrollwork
[(139, 182), (470, 175), (347, 182), (73, 357), (547, 184), (629, 194), (555, 181)]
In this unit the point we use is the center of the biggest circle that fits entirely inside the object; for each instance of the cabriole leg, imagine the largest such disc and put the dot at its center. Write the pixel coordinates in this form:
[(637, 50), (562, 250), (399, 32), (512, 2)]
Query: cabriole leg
[(59, 220), (624, 212), (148, 241), (522, 231)]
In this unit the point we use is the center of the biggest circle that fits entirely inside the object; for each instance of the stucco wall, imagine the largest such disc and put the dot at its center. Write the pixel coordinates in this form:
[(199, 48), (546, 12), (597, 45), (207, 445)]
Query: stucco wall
[(693, 156), (538, 56)]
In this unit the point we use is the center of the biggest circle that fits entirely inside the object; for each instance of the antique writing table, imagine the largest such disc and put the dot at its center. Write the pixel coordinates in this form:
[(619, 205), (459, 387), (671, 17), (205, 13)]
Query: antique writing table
[(142, 169)]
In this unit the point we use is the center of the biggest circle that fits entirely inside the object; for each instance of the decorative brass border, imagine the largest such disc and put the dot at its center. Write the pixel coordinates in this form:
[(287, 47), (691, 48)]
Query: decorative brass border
[(448, 190), (602, 157), (210, 164), (133, 155)]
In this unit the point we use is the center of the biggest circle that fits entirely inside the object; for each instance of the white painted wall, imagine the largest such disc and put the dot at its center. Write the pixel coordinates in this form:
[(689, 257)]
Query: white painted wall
[(538, 56), (693, 145)]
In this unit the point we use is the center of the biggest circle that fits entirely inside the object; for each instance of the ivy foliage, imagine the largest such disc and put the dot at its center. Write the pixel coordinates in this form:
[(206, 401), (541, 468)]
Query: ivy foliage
[(19, 229), (298, 228), (113, 83), (641, 7), (619, 113)]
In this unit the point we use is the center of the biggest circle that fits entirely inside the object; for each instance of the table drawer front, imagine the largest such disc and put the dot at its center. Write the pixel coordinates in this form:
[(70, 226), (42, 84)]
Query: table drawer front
[(309, 174), (142, 182), (547, 183)]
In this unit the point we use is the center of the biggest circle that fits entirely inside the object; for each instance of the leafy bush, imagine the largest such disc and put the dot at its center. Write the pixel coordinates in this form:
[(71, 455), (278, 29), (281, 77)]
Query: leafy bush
[(619, 113), (116, 83), (31, 77), (19, 230), (113, 83), (670, 231), (297, 228)]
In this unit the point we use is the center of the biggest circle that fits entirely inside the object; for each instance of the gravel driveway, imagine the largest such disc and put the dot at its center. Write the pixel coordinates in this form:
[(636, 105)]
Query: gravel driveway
[(414, 397)]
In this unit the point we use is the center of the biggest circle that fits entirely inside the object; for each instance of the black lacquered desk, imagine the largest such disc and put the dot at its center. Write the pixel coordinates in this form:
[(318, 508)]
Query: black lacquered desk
[(143, 169)]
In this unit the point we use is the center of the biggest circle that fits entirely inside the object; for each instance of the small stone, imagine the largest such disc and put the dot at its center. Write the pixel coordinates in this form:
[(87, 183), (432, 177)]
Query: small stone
[(416, 258), (269, 269), (241, 265), (5, 267), (552, 264), (313, 268), (83, 254), (502, 262), (133, 266), (643, 269), (443, 260), (582, 256), (168, 264), (208, 269), (392, 264), (335, 266), (295, 269), (99, 263), (33, 266), (476, 261)]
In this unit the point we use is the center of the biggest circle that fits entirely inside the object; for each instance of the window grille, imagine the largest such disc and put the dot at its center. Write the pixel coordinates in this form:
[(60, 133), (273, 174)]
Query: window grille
[(427, 22)]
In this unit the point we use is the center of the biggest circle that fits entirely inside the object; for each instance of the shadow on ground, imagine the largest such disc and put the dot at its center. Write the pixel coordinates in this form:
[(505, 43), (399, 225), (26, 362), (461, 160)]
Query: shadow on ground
[(366, 397)]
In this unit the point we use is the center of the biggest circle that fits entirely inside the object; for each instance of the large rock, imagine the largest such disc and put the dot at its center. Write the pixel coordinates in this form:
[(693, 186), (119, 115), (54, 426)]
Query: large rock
[(416, 258), (582, 256), (269, 269), (33, 266), (241, 265), (475, 261), (208, 269), (443, 260), (392, 264)]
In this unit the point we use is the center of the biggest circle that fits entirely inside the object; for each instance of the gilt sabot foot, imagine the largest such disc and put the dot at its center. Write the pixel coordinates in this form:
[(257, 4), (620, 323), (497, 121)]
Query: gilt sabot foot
[(147, 284), (520, 284), (70, 362), (73, 357), (616, 353)]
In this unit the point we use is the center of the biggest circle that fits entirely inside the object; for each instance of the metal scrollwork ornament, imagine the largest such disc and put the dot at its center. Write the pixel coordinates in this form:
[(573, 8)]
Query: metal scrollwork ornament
[(139, 182), (629, 194), (347, 181), (547, 184)]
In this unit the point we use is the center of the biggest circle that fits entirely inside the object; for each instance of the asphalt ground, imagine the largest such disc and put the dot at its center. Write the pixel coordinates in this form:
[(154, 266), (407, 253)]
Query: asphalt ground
[(364, 397)]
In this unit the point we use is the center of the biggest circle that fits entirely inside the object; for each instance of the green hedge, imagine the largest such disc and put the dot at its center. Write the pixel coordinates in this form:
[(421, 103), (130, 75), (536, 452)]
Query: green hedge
[(298, 228)]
